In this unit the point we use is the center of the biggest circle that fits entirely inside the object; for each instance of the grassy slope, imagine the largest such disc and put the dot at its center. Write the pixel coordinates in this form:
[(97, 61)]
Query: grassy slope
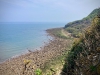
[(59, 32), (84, 55), (78, 26)]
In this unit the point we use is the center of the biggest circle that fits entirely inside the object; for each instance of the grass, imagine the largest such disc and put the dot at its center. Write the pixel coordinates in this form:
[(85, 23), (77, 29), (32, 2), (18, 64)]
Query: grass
[(54, 65), (58, 33), (75, 31)]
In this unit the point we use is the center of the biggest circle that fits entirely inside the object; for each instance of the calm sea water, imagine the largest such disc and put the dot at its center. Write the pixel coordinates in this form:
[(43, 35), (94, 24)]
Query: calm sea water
[(17, 38)]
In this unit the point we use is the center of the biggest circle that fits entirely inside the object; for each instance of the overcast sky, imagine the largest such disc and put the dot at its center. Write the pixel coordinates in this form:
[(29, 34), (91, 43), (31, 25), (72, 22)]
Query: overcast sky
[(45, 10)]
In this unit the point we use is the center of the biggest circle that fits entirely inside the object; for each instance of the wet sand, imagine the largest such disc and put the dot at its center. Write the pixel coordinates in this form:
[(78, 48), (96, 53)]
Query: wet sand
[(28, 63)]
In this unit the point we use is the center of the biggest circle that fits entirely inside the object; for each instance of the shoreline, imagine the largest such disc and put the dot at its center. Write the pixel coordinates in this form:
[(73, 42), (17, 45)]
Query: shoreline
[(32, 50), (35, 59)]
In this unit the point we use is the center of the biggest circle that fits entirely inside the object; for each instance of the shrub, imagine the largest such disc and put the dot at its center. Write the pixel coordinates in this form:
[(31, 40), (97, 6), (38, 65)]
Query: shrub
[(85, 53), (38, 72)]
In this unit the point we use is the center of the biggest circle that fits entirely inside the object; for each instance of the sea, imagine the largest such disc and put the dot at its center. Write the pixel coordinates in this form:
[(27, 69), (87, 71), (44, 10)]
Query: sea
[(17, 38)]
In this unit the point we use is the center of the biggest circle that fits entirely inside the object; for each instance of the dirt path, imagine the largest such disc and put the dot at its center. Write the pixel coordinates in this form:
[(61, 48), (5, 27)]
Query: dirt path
[(65, 33)]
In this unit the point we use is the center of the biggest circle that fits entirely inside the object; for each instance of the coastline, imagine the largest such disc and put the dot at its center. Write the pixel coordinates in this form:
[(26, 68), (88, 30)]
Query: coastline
[(29, 62), (26, 51)]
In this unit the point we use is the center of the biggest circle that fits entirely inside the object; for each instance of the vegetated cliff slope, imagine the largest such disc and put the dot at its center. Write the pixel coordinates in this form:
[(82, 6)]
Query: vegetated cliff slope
[(76, 27), (84, 57)]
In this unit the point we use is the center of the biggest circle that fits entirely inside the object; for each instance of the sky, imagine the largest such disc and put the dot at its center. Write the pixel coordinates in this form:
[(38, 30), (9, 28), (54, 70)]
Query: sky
[(45, 10)]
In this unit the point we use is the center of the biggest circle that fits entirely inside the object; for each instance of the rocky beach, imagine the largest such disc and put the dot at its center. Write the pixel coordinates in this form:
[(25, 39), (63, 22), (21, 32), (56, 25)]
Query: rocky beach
[(27, 64)]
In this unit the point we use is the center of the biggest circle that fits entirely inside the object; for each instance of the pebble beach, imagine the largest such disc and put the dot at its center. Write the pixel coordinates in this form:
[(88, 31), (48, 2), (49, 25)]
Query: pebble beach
[(27, 64)]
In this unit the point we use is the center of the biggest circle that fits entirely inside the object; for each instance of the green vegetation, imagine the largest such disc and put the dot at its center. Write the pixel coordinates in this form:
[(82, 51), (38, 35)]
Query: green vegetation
[(92, 14), (58, 33), (38, 72), (61, 36), (78, 26), (55, 65), (84, 55), (74, 31)]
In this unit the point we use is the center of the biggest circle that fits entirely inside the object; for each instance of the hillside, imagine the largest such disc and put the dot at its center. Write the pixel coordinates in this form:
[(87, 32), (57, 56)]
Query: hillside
[(84, 57), (76, 27)]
